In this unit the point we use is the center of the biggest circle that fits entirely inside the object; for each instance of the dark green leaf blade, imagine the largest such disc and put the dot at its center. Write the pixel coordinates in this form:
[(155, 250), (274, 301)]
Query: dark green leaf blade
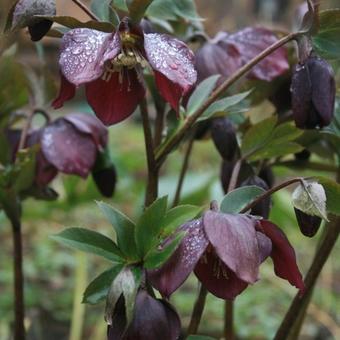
[(149, 225), (124, 228), (90, 241), (238, 199)]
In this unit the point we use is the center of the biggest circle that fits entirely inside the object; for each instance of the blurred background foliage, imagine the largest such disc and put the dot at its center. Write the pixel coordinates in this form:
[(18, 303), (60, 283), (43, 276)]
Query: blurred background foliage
[(54, 274)]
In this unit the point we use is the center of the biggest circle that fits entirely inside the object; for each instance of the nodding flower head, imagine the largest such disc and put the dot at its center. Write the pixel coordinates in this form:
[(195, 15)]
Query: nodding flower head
[(110, 65)]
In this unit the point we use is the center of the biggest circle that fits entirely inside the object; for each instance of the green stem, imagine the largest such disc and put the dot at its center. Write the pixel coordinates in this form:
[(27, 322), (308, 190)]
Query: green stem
[(78, 307), (152, 184), (86, 10), (19, 306), (191, 120), (308, 165), (184, 169)]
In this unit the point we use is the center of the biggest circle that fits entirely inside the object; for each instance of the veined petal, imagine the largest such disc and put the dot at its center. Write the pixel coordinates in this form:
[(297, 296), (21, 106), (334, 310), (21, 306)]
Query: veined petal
[(81, 55), (217, 278), (234, 240), (70, 151), (176, 270), (172, 58), (90, 125), (116, 99), (283, 255), (66, 92)]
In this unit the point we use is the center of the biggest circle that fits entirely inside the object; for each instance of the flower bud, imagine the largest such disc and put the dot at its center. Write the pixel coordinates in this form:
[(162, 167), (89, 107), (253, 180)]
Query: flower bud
[(313, 93), (309, 225), (105, 180), (263, 207), (224, 136)]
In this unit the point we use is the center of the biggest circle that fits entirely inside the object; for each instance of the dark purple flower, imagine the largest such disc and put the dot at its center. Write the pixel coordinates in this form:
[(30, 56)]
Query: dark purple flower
[(309, 225), (313, 93), (153, 319), (71, 143), (225, 252), (228, 52), (105, 179), (111, 67), (223, 134)]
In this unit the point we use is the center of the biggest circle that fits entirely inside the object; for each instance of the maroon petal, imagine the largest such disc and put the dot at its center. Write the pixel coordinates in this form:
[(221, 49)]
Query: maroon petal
[(81, 57), (217, 278), (91, 126), (66, 92), (173, 59), (70, 151), (176, 270), (234, 240), (214, 58), (170, 91), (265, 246), (115, 100), (253, 40), (283, 255)]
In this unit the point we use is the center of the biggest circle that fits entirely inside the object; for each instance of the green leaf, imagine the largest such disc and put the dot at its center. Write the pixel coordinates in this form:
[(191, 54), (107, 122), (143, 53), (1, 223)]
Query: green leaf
[(127, 283), (235, 201), (173, 9), (14, 85), (149, 225), (124, 228), (257, 136), (98, 289), (137, 8), (25, 167), (273, 150), (223, 105), (120, 5), (332, 190), (327, 41), (175, 217), (201, 93), (71, 22), (104, 11), (285, 133), (90, 241), (159, 255)]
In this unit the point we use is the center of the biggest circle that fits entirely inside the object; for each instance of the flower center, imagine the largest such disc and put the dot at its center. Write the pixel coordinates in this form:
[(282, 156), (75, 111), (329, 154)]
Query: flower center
[(129, 57)]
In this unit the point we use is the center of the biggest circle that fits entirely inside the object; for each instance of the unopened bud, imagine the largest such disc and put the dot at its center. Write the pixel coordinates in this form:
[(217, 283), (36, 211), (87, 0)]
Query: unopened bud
[(309, 225)]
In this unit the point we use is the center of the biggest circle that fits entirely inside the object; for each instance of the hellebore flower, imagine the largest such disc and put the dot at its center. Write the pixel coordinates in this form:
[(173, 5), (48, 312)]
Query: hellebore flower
[(71, 143), (225, 252), (309, 225), (223, 134), (153, 319), (111, 67), (313, 93), (228, 52)]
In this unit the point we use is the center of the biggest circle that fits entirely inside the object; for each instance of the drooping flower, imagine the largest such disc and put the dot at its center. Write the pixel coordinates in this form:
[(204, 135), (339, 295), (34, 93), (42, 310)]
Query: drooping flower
[(313, 93), (153, 319), (228, 52), (225, 252), (111, 67)]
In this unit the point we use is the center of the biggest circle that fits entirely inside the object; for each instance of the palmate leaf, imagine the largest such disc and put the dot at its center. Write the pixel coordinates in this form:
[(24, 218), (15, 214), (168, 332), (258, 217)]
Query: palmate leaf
[(91, 242), (332, 190), (124, 228), (149, 225)]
